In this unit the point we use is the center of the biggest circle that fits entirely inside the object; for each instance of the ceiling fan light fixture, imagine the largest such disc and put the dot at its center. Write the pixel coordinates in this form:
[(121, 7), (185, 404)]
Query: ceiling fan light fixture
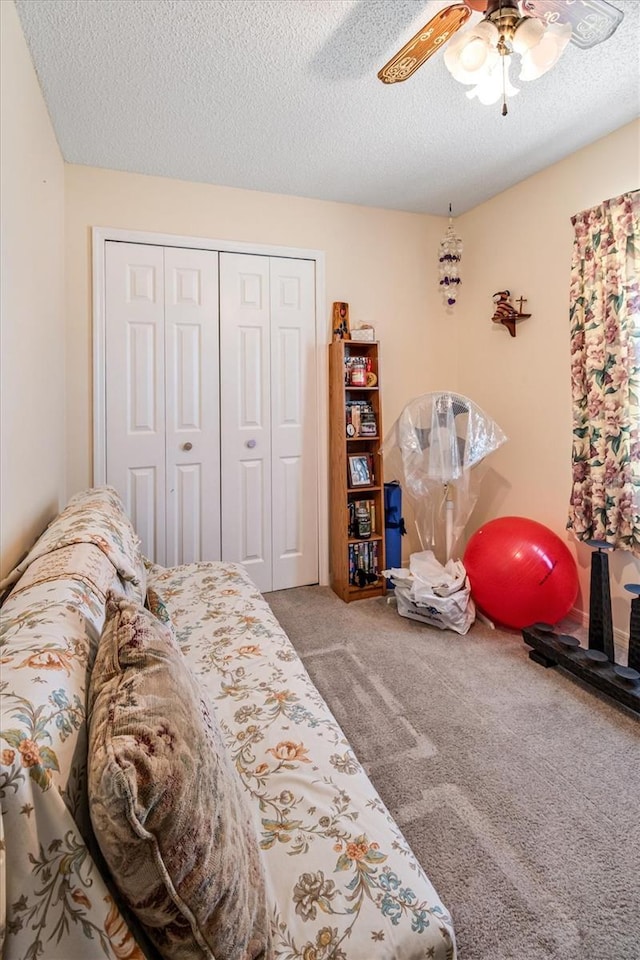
[(483, 54), (528, 34), (487, 30), (536, 30), (474, 55), (541, 57), (470, 56), (495, 85)]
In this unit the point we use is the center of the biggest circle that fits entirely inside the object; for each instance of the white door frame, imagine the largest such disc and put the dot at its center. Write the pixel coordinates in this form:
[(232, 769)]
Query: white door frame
[(100, 236)]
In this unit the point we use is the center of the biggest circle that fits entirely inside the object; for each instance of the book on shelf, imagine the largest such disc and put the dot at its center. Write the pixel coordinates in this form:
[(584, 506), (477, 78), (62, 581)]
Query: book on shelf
[(363, 563)]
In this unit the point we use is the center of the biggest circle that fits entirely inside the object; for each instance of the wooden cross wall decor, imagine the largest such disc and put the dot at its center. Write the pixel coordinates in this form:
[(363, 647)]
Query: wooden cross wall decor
[(505, 312)]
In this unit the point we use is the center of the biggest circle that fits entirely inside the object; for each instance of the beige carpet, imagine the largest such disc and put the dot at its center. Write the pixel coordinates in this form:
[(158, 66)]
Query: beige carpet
[(517, 787)]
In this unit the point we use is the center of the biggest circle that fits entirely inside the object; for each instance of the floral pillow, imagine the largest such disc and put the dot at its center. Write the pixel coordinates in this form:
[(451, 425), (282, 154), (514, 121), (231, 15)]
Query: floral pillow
[(166, 807)]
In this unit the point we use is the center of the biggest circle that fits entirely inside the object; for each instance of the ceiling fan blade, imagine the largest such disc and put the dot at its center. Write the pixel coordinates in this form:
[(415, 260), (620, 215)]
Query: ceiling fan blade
[(425, 43), (592, 21)]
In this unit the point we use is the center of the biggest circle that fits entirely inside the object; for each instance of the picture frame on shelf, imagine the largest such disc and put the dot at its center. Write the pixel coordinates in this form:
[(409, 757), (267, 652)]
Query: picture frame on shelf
[(359, 473)]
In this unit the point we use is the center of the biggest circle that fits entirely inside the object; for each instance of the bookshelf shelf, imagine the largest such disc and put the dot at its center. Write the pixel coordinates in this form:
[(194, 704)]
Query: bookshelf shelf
[(356, 560)]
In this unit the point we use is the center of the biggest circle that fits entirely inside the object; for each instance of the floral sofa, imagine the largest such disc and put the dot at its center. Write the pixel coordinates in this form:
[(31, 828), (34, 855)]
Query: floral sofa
[(340, 880)]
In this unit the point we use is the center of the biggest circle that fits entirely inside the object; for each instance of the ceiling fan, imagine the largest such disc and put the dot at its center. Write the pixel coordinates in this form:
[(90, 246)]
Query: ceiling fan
[(536, 30)]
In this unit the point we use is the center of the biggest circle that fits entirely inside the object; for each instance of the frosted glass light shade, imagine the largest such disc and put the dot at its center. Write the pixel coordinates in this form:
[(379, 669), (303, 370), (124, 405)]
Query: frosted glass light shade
[(474, 54), (490, 89), (471, 55), (546, 53), (529, 32)]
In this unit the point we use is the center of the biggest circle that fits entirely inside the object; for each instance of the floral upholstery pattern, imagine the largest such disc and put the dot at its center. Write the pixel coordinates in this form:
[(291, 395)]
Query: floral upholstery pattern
[(94, 516), (167, 809), (158, 607), (58, 906), (57, 903), (345, 882)]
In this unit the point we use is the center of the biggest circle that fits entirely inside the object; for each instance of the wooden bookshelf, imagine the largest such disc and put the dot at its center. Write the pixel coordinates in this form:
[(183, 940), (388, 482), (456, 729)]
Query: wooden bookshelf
[(356, 554)]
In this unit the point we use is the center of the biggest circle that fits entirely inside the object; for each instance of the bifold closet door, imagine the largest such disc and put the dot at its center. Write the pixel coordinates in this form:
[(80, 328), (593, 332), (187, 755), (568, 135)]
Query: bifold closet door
[(192, 405), (268, 418), (294, 423), (135, 401), (245, 422), (162, 396)]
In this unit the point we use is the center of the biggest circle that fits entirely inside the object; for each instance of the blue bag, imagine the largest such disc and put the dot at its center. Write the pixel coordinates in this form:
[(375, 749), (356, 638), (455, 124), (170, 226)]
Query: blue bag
[(394, 528)]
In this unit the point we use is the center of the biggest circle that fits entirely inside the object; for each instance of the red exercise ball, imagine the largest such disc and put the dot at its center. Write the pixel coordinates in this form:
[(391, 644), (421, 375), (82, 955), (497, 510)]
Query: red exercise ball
[(520, 572)]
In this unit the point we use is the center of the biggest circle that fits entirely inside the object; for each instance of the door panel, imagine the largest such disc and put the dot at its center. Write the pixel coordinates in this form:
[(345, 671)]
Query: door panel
[(192, 413), (251, 360), (188, 384), (187, 499), (294, 423), (141, 377), (291, 535), (142, 505), (246, 414), (135, 401), (252, 546)]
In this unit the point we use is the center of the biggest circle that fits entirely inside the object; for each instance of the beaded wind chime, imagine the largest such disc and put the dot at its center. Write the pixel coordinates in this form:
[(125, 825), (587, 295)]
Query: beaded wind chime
[(450, 257)]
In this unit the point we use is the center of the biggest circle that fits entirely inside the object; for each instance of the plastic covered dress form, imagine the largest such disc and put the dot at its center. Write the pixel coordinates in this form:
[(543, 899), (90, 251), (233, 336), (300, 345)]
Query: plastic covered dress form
[(431, 449)]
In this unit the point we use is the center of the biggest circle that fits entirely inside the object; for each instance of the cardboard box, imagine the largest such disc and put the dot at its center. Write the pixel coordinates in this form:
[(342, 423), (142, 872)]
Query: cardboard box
[(364, 334)]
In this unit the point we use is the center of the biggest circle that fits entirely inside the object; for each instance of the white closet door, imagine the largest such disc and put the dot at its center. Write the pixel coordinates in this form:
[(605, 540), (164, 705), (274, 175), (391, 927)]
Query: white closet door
[(213, 443), (246, 414), (192, 405), (294, 436), (135, 401)]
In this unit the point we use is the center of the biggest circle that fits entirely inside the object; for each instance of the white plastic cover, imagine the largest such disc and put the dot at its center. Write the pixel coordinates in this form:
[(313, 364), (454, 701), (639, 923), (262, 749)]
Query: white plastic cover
[(433, 593), (431, 449)]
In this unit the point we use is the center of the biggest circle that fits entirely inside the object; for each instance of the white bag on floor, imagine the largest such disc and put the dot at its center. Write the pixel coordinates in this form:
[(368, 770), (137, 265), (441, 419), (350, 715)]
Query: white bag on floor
[(433, 594)]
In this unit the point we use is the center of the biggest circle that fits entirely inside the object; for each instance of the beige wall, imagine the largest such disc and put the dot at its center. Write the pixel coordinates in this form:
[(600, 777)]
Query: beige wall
[(385, 265), (522, 240), (380, 262), (32, 417)]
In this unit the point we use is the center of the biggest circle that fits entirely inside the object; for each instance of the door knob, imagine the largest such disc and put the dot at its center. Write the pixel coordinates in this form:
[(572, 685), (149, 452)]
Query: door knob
[(251, 444), (187, 446)]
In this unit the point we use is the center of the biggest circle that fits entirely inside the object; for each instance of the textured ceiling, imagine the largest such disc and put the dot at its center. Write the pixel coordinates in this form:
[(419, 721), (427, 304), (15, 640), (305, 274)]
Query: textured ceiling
[(282, 96)]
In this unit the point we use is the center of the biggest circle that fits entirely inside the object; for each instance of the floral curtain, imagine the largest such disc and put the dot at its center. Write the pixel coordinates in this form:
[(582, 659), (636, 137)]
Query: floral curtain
[(605, 373)]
